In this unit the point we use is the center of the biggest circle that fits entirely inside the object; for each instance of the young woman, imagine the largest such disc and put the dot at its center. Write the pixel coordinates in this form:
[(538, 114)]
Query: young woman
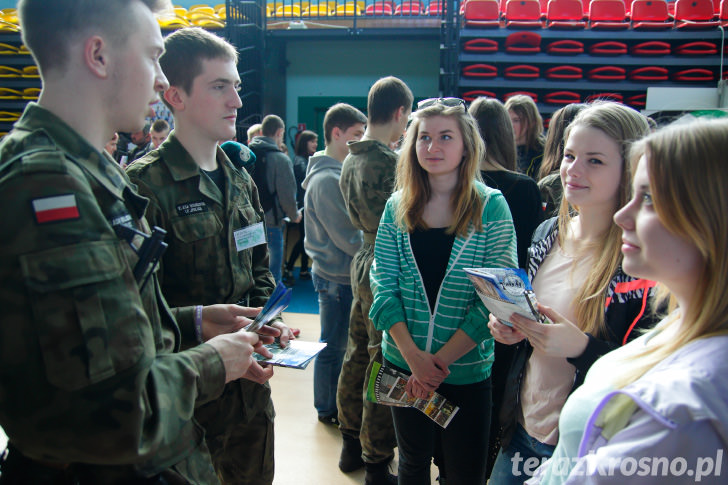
[(662, 400), (440, 220), (305, 147), (528, 128), (549, 179), (575, 269)]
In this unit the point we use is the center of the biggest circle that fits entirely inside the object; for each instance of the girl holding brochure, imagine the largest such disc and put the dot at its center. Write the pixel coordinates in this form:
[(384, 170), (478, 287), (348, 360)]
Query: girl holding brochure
[(575, 270), (440, 220), (657, 408)]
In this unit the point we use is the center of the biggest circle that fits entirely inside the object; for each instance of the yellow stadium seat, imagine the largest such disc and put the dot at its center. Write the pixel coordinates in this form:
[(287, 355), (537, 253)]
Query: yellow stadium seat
[(7, 71), (288, 11), (30, 71), (31, 93), (8, 93), (316, 11), (347, 10)]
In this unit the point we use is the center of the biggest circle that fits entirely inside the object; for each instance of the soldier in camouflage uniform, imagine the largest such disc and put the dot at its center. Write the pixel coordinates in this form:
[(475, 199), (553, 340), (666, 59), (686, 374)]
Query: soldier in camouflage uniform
[(93, 386), (367, 180), (210, 208)]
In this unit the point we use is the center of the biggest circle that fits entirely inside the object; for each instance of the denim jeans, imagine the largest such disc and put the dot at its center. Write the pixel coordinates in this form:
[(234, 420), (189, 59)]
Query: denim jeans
[(518, 462), (275, 250), (463, 453), (334, 308)]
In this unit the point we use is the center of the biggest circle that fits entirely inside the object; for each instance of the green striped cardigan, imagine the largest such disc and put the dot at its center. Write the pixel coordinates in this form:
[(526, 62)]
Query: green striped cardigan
[(399, 293)]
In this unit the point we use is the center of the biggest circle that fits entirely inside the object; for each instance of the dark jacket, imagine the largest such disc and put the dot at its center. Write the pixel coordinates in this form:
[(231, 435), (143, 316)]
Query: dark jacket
[(281, 182), (626, 311)]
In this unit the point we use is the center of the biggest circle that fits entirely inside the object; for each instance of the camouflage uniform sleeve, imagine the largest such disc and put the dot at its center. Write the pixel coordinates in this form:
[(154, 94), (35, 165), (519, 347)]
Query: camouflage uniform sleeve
[(81, 377)]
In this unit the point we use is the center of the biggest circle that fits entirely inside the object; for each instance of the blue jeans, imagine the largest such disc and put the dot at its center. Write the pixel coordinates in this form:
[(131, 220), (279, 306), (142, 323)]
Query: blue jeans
[(275, 250), (334, 308), (518, 462), (463, 445)]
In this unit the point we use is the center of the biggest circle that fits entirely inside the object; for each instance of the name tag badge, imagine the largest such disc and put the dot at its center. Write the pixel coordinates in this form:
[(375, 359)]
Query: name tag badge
[(250, 236)]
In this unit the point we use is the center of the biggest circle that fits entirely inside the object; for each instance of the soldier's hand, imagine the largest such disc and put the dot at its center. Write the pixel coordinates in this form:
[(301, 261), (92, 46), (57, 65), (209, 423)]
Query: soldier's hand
[(236, 350), (286, 333), (222, 319), (258, 373)]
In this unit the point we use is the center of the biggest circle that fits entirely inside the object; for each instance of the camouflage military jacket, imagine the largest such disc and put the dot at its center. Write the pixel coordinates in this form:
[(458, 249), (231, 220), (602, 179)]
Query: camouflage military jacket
[(367, 181), (89, 368), (202, 263)]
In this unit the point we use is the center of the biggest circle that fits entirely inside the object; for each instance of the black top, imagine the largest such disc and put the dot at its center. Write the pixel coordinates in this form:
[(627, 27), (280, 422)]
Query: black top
[(432, 248), (217, 176), (524, 201), (529, 160)]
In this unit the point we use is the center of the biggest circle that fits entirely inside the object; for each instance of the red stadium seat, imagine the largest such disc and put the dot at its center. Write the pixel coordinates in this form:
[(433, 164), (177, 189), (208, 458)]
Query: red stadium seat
[(695, 14), (723, 13), (562, 97), (568, 73), (523, 14), (435, 8), (694, 75), (408, 7), (482, 14), (607, 73), (471, 96), (565, 47), (480, 70), (480, 45), (649, 73), (523, 43), (608, 15), (379, 9), (637, 101), (650, 15), (604, 96), (565, 14), (522, 71), (650, 48), (697, 48), (608, 48)]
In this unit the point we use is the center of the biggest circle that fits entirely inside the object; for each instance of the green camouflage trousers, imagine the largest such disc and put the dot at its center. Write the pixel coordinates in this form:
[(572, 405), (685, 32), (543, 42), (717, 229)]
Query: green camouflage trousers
[(239, 433), (371, 422)]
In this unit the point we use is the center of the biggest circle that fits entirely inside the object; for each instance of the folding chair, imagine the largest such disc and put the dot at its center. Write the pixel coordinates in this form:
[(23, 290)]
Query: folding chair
[(482, 14), (523, 14), (523, 43), (695, 14), (565, 14), (650, 15), (608, 15)]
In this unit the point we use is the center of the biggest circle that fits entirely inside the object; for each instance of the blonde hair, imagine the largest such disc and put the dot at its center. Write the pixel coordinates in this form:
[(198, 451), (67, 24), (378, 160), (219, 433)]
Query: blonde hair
[(687, 175), (623, 125), (414, 185)]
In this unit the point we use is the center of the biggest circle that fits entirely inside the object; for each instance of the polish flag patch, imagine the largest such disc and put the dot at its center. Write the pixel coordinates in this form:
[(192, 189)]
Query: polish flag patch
[(56, 208)]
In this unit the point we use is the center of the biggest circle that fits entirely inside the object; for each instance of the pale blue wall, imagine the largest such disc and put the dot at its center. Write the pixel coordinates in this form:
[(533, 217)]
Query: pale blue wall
[(349, 68)]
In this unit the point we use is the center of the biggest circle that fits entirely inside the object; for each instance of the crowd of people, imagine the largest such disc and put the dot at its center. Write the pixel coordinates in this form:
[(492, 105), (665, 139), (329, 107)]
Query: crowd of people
[(127, 287)]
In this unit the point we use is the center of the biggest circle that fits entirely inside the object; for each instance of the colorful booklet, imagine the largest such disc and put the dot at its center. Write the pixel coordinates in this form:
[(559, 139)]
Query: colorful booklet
[(386, 386), (505, 291), (297, 354), (278, 301)]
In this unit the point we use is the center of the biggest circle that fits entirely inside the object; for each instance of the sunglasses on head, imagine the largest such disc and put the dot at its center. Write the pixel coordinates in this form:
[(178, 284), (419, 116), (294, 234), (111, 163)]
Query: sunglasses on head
[(449, 102)]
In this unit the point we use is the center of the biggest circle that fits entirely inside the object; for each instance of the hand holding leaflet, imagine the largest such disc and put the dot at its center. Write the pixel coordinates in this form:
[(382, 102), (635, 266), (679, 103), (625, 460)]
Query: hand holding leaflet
[(505, 291), (278, 301)]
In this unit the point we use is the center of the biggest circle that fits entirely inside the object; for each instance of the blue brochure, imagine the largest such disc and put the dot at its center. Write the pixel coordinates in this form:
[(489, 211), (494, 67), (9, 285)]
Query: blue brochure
[(277, 302)]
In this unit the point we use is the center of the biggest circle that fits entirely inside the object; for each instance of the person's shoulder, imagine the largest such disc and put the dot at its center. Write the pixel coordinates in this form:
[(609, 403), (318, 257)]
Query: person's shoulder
[(32, 152), (147, 166)]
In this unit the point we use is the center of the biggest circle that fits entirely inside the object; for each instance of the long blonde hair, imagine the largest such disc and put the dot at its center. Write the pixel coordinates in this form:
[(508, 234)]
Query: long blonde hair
[(623, 125), (414, 185), (688, 180)]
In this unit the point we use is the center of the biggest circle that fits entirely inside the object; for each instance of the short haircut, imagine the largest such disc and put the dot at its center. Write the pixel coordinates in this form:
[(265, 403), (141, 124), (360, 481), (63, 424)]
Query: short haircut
[(160, 126), (270, 125), (253, 131), (184, 51), (48, 27), (385, 97), (342, 116)]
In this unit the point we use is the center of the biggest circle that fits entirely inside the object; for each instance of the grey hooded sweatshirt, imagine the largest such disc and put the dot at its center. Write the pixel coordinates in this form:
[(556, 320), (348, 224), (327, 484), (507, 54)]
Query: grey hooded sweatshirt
[(331, 239)]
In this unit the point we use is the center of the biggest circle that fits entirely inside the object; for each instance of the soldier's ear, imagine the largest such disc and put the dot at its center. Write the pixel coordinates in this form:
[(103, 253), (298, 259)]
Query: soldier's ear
[(96, 56), (175, 97)]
